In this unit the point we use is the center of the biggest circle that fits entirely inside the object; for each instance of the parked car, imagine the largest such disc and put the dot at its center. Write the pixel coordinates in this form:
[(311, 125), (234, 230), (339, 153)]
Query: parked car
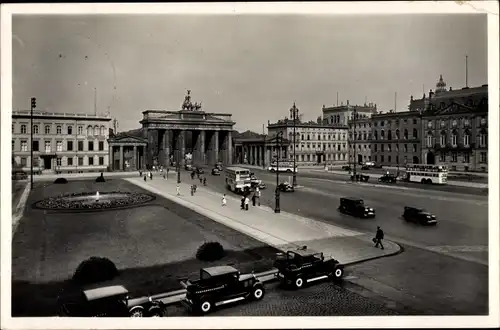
[(188, 167), (221, 285), (219, 166), (355, 207), (365, 167), (108, 301), (302, 266), (19, 175), (215, 171), (255, 182), (370, 163), (360, 177), (419, 216), (376, 165), (286, 187), (388, 178), (346, 168)]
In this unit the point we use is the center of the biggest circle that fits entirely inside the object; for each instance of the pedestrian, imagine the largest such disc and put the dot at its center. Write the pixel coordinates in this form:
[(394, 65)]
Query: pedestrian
[(151, 175), (204, 181), (224, 201), (243, 202), (192, 175), (145, 179), (201, 179), (178, 190), (257, 192), (379, 236), (192, 190), (247, 201), (164, 176), (254, 199), (140, 173)]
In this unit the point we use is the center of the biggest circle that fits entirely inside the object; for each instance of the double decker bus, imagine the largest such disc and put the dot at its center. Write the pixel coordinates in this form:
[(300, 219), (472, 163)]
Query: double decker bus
[(284, 166), (436, 174), (237, 179)]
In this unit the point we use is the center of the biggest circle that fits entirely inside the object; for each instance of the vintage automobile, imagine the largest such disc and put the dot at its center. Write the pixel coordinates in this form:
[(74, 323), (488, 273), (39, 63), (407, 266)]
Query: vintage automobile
[(199, 170), (215, 171), (256, 183), (188, 167), (346, 168), (19, 175), (220, 285), (356, 207), (419, 216), (388, 178), (369, 163), (301, 266), (285, 187), (108, 301), (365, 167), (218, 166), (360, 177)]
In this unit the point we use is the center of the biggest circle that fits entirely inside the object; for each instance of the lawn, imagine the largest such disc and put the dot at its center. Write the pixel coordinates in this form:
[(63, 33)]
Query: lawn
[(153, 246)]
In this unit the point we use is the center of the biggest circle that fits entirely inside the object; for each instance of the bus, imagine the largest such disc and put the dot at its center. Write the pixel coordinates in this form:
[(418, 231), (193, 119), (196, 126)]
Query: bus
[(237, 179), (284, 166), (436, 174)]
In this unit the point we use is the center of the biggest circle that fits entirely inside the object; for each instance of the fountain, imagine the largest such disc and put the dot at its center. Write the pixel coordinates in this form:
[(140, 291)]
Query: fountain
[(97, 197)]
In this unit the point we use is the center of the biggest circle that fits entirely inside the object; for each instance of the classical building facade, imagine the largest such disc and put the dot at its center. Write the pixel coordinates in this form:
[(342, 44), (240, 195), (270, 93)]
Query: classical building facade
[(258, 149), (167, 136), (343, 114), (62, 142), (360, 139), (316, 143), (396, 138)]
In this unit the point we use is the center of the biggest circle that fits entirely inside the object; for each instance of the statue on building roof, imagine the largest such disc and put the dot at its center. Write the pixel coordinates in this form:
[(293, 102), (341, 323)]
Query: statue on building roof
[(188, 105)]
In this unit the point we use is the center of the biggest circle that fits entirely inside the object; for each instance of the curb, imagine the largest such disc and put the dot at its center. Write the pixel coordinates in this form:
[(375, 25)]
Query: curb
[(20, 208)]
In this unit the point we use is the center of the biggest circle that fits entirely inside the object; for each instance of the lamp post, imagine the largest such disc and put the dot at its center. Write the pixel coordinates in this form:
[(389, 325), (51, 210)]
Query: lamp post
[(178, 166), (294, 110), (397, 146), (277, 193), (33, 106), (354, 142)]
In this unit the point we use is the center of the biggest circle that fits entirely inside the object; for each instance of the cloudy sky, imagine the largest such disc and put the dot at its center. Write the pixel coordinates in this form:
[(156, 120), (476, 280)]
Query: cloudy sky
[(254, 67)]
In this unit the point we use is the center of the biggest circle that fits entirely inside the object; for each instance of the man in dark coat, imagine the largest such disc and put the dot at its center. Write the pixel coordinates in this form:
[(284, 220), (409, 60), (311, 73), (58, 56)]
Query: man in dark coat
[(379, 236)]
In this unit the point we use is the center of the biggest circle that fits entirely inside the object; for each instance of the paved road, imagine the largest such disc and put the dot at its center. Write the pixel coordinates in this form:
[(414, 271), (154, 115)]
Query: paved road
[(463, 219)]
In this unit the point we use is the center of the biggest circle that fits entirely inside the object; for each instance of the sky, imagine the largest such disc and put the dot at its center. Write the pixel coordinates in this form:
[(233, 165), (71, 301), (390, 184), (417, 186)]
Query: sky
[(252, 66)]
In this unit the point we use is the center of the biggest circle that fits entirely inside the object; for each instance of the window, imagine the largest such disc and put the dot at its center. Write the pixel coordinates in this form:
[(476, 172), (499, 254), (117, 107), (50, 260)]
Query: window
[(375, 158), (454, 139), (302, 137), (101, 160), (80, 145), (466, 157), (59, 161), (23, 161), (69, 145), (443, 140), (382, 135), (58, 129), (35, 129), (70, 161), (91, 160), (397, 146), (80, 161), (397, 159), (24, 145), (308, 137), (36, 146), (376, 147), (70, 130), (59, 146), (91, 146), (47, 146), (80, 130), (397, 134), (382, 123), (415, 133), (23, 129), (414, 121), (466, 140), (405, 134), (406, 148), (454, 157), (389, 158), (389, 135), (429, 141), (382, 147), (389, 148), (382, 158), (47, 129), (414, 147), (96, 130), (442, 156), (482, 140), (484, 157), (13, 128), (90, 130), (13, 145)]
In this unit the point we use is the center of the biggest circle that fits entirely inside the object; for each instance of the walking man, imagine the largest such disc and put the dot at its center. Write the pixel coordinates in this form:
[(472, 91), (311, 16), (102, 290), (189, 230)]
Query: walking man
[(178, 190), (257, 195), (379, 236), (224, 201), (247, 201), (243, 202)]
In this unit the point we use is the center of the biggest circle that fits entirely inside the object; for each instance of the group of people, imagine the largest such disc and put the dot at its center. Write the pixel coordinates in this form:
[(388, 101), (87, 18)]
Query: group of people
[(149, 174), (245, 200)]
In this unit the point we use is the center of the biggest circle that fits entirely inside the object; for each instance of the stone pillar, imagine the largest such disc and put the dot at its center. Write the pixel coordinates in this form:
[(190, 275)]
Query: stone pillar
[(181, 147), (215, 146), (151, 144), (121, 158), (201, 147), (166, 147), (134, 165), (111, 159)]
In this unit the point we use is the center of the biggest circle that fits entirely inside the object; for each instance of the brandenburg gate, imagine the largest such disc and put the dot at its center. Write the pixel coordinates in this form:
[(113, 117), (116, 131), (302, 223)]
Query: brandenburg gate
[(172, 134)]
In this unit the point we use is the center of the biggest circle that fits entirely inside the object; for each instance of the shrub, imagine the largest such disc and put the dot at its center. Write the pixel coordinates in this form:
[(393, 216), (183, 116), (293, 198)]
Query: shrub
[(94, 270), (60, 180), (210, 251)]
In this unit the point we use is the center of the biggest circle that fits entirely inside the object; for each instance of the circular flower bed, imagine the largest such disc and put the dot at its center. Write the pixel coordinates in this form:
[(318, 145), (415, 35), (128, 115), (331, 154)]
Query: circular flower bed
[(92, 201)]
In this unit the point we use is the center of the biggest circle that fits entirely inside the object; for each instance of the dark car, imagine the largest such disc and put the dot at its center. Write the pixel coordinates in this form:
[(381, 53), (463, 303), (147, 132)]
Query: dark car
[(108, 301), (215, 171), (19, 175), (346, 168), (218, 166), (285, 187), (199, 170), (388, 178), (188, 167), (301, 266), (356, 207), (376, 165), (365, 167), (221, 285), (419, 216), (360, 177), (256, 183)]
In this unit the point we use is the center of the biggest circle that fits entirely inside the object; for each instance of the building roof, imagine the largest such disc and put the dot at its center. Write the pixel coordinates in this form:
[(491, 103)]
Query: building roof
[(310, 124), (61, 115)]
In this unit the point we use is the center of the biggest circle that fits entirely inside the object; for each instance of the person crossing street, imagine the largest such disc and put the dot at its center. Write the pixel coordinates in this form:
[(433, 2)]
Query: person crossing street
[(379, 236)]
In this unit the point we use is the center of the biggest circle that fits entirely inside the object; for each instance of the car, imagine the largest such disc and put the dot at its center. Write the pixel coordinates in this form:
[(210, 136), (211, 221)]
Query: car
[(356, 207), (215, 171), (420, 216), (346, 168), (365, 167), (370, 163), (198, 170), (108, 301), (299, 267), (360, 177), (188, 167), (218, 166), (286, 187), (255, 182), (375, 165), (220, 285), (19, 175), (388, 178)]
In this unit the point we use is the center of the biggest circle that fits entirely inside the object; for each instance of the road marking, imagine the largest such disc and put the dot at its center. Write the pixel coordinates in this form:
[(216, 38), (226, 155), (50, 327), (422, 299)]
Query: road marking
[(459, 248)]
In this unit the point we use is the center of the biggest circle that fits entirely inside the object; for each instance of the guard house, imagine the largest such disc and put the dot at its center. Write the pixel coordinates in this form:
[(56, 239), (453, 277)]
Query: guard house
[(258, 149), (127, 151)]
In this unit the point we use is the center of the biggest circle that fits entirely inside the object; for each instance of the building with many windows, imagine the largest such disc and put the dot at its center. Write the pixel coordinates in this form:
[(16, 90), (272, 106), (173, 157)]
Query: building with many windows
[(316, 143), (343, 114), (62, 142)]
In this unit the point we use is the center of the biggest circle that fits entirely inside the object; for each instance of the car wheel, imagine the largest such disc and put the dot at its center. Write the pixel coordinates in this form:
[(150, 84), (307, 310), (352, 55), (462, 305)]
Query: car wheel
[(205, 306), (258, 293), (156, 313), (138, 312), (299, 282), (338, 273)]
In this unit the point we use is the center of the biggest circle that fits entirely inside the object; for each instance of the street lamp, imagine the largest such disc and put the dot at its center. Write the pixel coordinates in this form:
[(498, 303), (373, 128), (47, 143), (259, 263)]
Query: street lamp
[(294, 110), (277, 193)]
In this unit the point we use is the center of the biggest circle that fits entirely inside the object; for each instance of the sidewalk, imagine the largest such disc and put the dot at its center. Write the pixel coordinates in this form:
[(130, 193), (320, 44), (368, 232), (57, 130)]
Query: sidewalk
[(283, 231)]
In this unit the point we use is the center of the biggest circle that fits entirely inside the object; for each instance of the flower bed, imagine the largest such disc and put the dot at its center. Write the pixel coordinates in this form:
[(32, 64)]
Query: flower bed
[(89, 201)]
